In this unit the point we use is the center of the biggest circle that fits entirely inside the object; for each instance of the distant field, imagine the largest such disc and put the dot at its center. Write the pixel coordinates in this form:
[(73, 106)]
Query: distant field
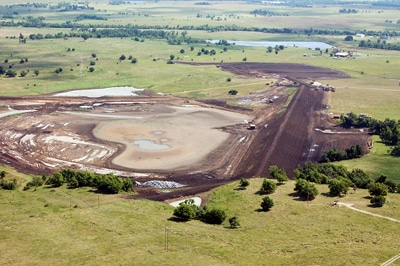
[(61, 226)]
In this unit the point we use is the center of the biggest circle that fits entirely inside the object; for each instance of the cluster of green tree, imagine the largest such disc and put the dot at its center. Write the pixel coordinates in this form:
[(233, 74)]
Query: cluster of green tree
[(339, 179), (348, 11), (334, 155), (379, 45), (36, 182), (267, 13), (202, 3), (65, 6), (277, 49), (7, 185), (306, 189), (156, 31), (268, 186), (204, 51), (29, 5), (117, 2), (106, 183), (187, 210), (92, 17), (388, 130)]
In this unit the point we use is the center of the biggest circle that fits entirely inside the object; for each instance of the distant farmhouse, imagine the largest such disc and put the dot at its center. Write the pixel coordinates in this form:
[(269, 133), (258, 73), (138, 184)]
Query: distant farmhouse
[(343, 55)]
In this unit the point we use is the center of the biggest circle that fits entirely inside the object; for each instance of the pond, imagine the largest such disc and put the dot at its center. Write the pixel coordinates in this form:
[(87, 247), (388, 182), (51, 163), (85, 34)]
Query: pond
[(95, 93), (310, 45), (150, 145)]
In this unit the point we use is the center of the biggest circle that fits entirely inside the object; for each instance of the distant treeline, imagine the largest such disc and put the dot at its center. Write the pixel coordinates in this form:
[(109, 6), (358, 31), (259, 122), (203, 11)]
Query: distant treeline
[(388, 130), (267, 13), (380, 45), (118, 30)]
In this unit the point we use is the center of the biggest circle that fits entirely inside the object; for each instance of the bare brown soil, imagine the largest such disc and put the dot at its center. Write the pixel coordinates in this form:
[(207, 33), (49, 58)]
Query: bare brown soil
[(60, 134)]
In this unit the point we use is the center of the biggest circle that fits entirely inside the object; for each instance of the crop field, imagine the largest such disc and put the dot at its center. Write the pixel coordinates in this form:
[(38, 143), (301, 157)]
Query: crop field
[(196, 93)]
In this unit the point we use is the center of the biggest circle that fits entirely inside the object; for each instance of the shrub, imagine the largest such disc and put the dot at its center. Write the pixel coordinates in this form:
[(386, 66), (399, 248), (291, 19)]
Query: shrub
[(185, 212), (360, 178), (214, 216), (4, 184), (56, 180), (109, 183), (267, 203), (234, 222), (268, 186), (232, 92), (378, 201), (378, 189), (306, 189), (278, 174), (35, 182), (244, 182), (338, 186)]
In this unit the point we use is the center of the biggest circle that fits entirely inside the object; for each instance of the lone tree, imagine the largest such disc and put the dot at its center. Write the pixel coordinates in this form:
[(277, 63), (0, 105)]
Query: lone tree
[(214, 216), (11, 73), (234, 222), (348, 38), (267, 203), (244, 183), (268, 186), (232, 92)]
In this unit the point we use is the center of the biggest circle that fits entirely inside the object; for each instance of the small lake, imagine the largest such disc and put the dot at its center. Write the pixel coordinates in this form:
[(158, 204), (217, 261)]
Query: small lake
[(310, 45), (149, 145), (96, 93)]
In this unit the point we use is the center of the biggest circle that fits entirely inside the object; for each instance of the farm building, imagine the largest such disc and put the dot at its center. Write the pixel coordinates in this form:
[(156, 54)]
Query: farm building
[(343, 54)]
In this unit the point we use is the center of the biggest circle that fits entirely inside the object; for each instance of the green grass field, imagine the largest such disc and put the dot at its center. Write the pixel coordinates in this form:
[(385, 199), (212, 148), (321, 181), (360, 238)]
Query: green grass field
[(78, 227), (69, 227)]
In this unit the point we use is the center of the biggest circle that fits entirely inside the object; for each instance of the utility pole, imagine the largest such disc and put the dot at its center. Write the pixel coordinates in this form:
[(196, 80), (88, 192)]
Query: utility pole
[(166, 239)]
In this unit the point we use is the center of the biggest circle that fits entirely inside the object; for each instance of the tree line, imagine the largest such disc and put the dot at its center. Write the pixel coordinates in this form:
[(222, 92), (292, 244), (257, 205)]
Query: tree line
[(339, 180), (388, 130), (105, 183), (113, 31), (379, 45), (334, 155)]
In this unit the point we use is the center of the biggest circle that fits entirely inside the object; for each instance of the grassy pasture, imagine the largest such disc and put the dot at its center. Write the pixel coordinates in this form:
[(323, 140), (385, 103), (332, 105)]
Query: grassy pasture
[(61, 226), (379, 162), (66, 227)]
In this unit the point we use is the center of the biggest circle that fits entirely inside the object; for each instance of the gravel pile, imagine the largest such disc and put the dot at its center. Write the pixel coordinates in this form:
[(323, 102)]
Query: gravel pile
[(160, 184)]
